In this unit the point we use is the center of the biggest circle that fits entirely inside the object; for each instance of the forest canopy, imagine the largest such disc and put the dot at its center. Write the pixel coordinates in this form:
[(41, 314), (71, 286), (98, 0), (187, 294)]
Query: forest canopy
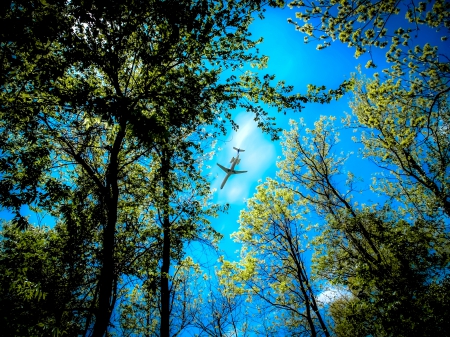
[(109, 116)]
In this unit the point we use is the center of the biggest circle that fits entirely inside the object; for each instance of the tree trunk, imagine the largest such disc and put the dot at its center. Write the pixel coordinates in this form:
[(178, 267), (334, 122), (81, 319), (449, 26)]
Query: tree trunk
[(165, 268), (107, 273), (106, 282), (165, 294)]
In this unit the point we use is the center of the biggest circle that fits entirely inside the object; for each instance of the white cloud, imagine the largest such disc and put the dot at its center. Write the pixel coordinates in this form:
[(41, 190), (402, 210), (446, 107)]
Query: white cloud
[(331, 294), (259, 155)]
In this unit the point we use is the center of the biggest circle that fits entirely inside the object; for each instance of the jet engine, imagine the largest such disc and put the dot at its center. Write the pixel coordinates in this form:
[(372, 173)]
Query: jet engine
[(235, 160)]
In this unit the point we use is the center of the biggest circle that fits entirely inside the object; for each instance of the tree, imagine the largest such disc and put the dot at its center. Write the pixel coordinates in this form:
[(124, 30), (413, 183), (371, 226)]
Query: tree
[(394, 263), (91, 96), (407, 136), (182, 208), (273, 269)]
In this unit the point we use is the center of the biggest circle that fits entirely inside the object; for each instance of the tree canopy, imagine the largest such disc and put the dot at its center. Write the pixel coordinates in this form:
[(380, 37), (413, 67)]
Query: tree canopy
[(95, 104)]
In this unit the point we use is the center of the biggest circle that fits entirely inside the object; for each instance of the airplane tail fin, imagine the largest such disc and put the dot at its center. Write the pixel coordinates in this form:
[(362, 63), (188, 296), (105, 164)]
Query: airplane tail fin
[(238, 150)]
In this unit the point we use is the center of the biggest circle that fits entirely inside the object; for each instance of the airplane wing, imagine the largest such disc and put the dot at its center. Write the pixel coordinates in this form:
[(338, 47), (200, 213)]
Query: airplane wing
[(236, 172), (224, 168)]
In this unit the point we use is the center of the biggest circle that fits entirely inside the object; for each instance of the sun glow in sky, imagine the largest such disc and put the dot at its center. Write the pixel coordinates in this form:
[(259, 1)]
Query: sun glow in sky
[(258, 157)]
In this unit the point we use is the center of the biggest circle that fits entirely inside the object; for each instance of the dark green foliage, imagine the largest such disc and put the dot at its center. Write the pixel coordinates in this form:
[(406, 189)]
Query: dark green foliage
[(45, 282), (94, 94)]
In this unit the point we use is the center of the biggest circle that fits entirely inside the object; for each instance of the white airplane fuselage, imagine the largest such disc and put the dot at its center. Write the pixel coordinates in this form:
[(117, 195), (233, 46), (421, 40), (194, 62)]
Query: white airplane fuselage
[(230, 171)]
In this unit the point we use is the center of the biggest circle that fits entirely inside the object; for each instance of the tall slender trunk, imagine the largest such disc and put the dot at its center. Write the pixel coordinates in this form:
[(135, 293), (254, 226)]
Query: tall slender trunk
[(106, 281), (309, 317), (107, 273), (165, 294), (307, 291), (317, 312)]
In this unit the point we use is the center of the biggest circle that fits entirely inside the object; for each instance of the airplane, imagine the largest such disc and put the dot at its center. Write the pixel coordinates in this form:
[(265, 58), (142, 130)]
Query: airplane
[(231, 170)]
